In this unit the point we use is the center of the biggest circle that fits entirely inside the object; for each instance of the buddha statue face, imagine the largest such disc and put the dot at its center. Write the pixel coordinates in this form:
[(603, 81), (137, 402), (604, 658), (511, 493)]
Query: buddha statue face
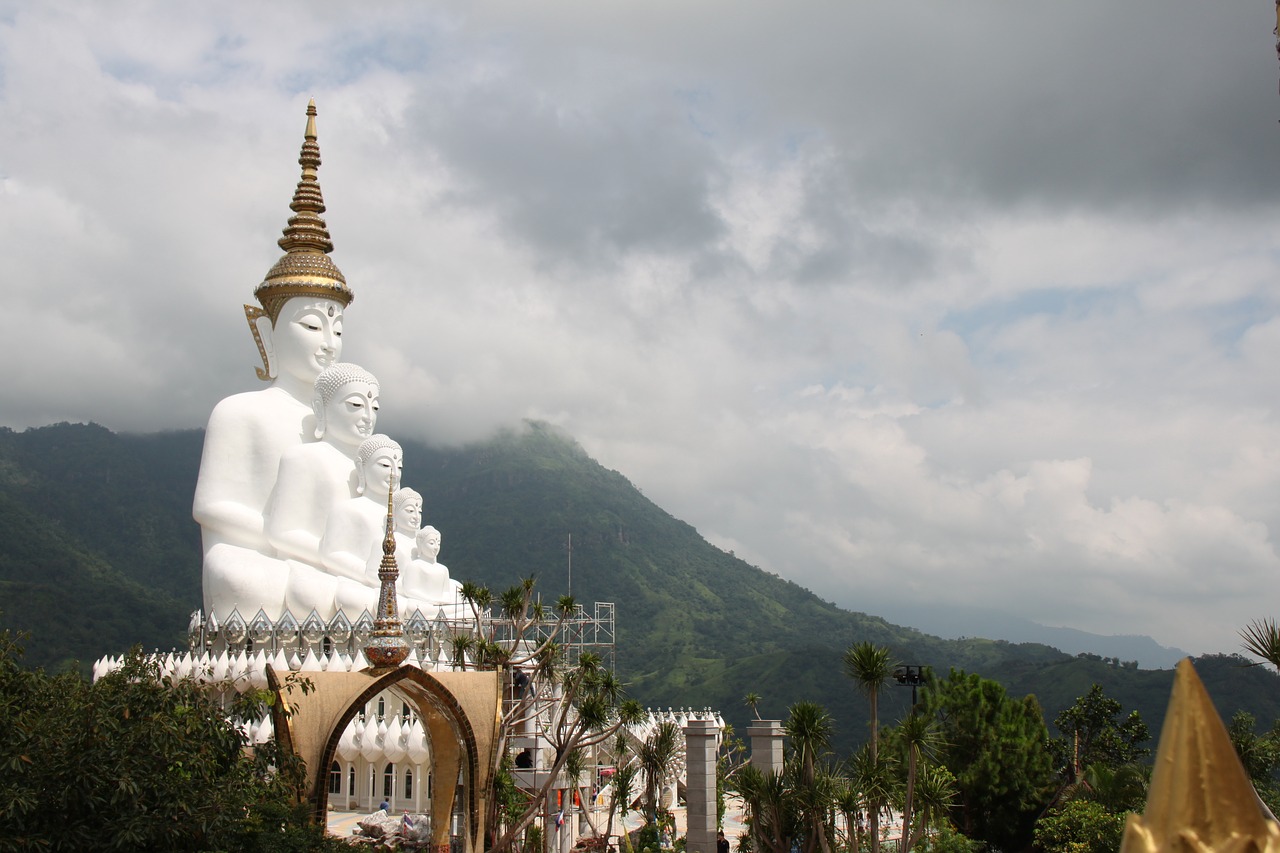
[(429, 543), (345, 403), (353, 413), (306, 338), (382, 471), (408, 516)]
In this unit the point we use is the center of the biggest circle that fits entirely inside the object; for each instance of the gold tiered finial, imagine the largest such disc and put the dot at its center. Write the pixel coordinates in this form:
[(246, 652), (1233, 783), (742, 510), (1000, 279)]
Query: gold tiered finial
[(1200, 799), (305, 269), (386, 647)]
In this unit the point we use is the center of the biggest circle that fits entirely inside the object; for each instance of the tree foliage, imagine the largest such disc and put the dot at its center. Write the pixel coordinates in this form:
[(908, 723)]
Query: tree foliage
[(133, 762), (1260, 755), (572, 704), (1080, 826), (998, 748), (1093, 735)]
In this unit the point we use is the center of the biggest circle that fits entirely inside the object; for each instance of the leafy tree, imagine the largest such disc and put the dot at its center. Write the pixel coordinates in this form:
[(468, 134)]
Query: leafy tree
[(870, 666), (998, 748), (1120, 789), (1260, 755), (1080, 826), (574, 705), (1093, 736), (134, 762)]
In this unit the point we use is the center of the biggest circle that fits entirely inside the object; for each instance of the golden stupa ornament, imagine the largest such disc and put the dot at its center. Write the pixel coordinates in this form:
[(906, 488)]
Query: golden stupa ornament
[(386, 647), (306, 268), (1200, 799)]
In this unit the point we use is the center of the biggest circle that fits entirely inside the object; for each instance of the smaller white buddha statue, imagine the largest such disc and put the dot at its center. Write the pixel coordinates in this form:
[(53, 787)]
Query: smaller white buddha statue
[(314, 478), (356, 527)]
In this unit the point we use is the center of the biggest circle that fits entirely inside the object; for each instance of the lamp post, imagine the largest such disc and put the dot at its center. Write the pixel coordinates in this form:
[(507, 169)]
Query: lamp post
[(910, 675)]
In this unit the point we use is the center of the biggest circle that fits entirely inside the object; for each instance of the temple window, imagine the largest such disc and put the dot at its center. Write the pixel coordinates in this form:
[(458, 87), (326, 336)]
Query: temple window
[(335, 778)]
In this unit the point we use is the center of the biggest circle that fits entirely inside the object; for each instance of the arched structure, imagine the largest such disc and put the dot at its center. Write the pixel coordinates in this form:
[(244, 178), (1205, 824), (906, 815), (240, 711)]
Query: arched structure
[(460, 710)]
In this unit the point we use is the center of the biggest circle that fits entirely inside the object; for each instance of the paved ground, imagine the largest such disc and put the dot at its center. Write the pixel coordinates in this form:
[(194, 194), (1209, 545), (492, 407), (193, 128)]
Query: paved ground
[(341, 823)]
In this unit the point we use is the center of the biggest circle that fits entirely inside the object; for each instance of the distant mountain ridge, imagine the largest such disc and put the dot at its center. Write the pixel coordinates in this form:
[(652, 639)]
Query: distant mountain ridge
[(98, 551), (980, 622)]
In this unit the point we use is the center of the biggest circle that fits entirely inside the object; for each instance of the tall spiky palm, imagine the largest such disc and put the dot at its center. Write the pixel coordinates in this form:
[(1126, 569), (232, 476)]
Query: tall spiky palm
[(870, 666), (656, 757), (809, 727), (752, 700), (918, 738), (849, 803), (771, 816), (1262, 638), (873, 777), (935, 789)]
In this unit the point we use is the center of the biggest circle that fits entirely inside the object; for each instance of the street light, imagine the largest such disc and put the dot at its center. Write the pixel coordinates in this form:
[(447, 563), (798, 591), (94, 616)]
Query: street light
[(911, 675)]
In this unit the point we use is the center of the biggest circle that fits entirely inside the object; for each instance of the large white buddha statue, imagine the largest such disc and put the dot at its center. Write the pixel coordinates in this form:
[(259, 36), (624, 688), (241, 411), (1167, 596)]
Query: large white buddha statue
[(298, 329)]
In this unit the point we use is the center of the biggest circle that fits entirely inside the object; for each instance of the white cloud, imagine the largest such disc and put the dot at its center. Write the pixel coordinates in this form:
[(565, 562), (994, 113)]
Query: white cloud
[(966, 306)]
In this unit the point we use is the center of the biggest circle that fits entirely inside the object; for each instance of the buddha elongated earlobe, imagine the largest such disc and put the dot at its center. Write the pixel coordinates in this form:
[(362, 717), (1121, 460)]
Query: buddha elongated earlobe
[(260, 326), (361, 481), (317, 406)]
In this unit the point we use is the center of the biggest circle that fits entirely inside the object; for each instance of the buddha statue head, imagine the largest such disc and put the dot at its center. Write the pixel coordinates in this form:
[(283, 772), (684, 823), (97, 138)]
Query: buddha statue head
[(298, 327), (407, 509), (345, 403), (379, 461), (428, 542)]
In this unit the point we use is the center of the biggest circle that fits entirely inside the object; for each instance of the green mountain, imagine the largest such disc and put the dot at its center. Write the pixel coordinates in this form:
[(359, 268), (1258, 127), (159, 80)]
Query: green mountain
[(98, 551)]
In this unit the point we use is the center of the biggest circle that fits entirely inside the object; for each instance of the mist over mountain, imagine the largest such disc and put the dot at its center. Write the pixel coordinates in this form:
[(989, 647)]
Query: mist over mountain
[(98, 552)]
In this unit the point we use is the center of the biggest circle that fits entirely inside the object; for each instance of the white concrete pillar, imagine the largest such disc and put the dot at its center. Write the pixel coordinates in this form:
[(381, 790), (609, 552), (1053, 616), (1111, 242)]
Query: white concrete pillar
[(700, 785), (766, 745)]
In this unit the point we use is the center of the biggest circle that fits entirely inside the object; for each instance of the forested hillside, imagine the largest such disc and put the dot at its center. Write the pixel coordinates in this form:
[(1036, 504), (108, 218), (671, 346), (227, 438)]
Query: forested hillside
[(98, 551)]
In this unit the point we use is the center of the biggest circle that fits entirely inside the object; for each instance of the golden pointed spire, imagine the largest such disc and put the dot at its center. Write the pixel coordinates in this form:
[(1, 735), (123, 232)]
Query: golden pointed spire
[(1200, 798), (305, 269), (386, 647)]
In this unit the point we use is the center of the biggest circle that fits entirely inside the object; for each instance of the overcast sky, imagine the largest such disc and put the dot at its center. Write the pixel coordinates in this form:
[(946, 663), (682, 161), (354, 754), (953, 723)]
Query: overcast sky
[(968, 303)]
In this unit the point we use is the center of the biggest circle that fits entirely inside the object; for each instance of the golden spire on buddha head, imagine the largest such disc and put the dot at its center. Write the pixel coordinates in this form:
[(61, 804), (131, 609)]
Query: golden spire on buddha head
[(306, 269)]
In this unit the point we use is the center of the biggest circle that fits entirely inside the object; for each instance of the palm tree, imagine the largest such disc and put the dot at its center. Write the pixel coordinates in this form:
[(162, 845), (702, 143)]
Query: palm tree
[(935, 789), (870, 666), (657, 756), (1262, 638), (873, 778), (771, 817), (623, 793), (751, 700), (459, 646), (849, 803), (919, 738), (809, 727)]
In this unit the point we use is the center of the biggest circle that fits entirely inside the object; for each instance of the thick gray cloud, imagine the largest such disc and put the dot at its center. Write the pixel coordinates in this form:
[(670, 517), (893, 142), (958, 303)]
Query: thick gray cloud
[(968, 306)]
